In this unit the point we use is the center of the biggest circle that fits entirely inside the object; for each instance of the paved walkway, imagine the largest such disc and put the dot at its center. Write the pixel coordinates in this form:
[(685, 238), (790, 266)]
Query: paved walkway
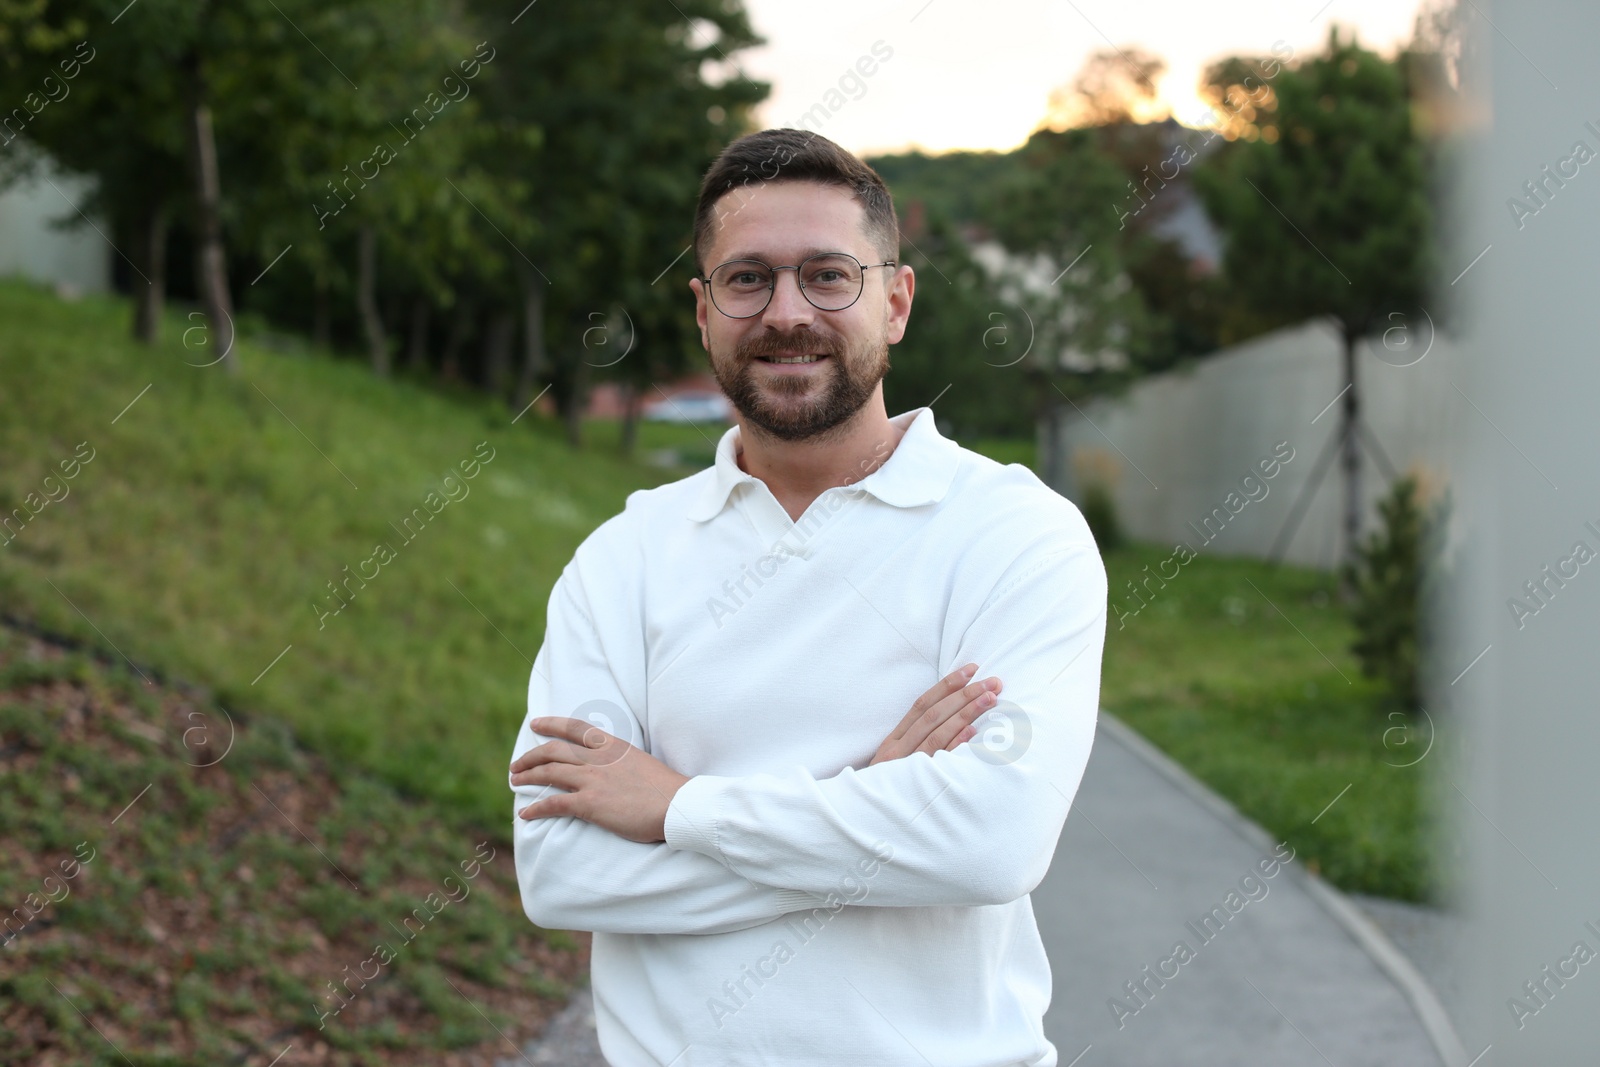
[(1145, 856), (1282, 983)]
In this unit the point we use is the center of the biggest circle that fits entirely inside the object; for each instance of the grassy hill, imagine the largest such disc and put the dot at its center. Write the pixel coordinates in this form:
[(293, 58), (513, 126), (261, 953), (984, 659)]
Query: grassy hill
[(218, 521)]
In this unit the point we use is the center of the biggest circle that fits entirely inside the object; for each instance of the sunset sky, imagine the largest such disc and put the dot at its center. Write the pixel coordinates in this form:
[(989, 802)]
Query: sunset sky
[(965, 74)]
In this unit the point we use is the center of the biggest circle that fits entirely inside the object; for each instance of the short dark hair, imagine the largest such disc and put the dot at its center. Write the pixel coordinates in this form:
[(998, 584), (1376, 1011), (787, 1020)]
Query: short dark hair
[(790, 155)]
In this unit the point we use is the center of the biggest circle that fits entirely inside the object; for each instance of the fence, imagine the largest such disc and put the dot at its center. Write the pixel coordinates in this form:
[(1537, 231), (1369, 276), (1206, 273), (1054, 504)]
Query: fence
[(1175, 446)]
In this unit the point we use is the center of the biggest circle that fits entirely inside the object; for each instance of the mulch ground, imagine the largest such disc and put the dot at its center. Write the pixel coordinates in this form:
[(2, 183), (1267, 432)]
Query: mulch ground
[(182, 886)]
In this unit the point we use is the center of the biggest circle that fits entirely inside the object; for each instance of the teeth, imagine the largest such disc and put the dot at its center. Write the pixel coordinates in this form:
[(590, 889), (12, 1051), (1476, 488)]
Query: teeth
[(792, 359)]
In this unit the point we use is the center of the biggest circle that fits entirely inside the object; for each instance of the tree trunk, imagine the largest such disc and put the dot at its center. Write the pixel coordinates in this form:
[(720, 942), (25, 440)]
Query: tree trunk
[(1350, 460), (321, 315), (1047, 436), (150, 302), (460, 328), (497, 341), (417, 348), (532, 337), (577, 401), (367, 300), (212, 263), (393, 315), (630, 418)]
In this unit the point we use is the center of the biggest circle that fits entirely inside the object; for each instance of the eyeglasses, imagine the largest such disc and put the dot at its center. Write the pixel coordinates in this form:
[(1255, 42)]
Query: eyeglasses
[(830, 281)]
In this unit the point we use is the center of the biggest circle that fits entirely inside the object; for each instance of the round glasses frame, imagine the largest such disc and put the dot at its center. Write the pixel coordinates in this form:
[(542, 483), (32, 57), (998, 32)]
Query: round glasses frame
[(797, 267)]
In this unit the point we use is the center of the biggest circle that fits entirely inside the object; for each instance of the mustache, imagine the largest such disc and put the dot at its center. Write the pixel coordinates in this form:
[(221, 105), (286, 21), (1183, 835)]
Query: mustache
[(799, 341)]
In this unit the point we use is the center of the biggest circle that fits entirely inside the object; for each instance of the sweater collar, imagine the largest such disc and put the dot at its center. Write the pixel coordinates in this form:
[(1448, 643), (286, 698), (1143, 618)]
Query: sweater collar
[(918, 472)]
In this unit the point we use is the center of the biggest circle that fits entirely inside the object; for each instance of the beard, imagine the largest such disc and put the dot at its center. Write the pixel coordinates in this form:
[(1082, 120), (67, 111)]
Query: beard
[(790, 407)]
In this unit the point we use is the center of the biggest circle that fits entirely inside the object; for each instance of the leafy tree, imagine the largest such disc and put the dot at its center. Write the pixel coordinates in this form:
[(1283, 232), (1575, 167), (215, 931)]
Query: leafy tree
[(184, 98), (119, 118), (1322, 199), (958, 185), (357, 180), (628, 125), (1055, 204), (1113, 88), (1139, 302), (546, 191), (966, 342)]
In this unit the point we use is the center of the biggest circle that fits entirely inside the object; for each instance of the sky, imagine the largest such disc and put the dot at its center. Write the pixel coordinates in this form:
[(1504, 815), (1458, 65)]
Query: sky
[(978, 74)]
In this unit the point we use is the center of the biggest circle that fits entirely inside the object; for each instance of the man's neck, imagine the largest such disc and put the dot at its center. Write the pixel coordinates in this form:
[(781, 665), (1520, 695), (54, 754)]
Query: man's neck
[(798, 472)]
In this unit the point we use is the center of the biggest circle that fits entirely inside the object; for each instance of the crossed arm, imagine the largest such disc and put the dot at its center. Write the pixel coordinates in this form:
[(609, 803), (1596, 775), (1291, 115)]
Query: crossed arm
[(629, 845)]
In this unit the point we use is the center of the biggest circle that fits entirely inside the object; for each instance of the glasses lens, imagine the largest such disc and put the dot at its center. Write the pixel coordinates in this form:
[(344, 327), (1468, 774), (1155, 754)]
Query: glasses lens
[(741, 287), (831, 281)]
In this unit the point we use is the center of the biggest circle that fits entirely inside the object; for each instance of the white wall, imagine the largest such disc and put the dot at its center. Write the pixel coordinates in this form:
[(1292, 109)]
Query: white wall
[(1178, 443), (31, 246)]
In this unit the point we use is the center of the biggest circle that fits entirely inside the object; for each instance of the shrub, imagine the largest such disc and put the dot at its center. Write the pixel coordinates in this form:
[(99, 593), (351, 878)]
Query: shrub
[(1100, 512), (1387, 579)]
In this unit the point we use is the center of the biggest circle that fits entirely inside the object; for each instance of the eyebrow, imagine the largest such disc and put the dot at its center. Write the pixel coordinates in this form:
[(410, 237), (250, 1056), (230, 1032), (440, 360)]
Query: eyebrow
[(805, 254)]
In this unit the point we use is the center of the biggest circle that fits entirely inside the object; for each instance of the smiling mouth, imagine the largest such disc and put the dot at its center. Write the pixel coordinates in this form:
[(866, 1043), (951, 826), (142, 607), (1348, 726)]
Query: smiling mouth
[(792, 359)]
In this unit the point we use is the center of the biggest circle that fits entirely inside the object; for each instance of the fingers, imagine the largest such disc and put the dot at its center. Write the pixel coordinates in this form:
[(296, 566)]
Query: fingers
[(550, 807), (946, 718), (950, 683), (578, 731), (563, 775), (576, 741), (962, 738), (961, 719), (553, 752)]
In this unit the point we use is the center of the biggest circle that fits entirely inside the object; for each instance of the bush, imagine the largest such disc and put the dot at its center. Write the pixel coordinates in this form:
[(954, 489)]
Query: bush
[(1100, 511), (1387, 581)]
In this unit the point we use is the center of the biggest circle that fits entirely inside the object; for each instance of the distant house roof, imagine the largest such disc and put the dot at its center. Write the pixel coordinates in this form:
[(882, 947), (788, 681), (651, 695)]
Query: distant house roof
[(607, 400)]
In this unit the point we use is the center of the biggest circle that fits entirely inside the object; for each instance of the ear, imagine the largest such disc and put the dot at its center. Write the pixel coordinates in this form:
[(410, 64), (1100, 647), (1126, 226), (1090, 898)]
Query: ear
[(700, 312), (898, 306)]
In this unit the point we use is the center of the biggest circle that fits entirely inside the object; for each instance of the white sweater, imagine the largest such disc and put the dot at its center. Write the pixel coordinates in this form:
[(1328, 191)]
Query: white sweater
[(807, 908)]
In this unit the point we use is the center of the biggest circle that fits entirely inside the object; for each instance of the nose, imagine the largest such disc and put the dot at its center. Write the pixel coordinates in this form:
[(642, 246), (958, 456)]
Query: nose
[(788, 307)]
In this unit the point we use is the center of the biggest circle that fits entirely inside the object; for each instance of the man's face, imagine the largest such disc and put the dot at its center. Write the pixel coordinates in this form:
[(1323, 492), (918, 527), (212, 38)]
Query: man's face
[(781, 224)]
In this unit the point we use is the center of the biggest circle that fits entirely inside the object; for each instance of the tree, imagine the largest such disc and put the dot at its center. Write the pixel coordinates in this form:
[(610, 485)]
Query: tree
[(1115, 86), (556, 154), (118, 115), (357, 181), (1138, 297), (1322, 199), (1056, 204), (225, 119), (627, 125), (1392, 572), (966, 343)]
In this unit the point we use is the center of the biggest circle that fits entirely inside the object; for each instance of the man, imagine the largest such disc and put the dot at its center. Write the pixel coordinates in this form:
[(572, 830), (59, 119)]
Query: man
[(719, 775)]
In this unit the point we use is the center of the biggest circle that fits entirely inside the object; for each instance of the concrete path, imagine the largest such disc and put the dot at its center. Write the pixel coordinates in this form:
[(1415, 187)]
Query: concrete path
[(1285, 973), (1141, 862)]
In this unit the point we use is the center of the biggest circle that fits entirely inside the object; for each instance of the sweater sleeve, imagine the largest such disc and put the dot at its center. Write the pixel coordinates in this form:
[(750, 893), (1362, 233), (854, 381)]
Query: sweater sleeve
[(971, 827), (574, 875)]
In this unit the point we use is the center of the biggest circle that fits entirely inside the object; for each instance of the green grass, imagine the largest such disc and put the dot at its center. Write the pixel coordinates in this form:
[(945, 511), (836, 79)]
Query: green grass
[(207, 526), (1232, 682)]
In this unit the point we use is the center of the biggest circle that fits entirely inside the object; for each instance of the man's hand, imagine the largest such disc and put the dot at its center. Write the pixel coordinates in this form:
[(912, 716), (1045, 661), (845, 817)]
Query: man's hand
[(942, 717), (609, 782)]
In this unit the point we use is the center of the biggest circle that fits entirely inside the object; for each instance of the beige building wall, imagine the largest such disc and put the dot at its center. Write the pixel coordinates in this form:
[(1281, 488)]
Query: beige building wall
[(1176, 445)]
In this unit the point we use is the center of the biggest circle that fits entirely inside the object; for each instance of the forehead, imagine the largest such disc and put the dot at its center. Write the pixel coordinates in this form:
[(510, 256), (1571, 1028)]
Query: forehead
[(783, 222)]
